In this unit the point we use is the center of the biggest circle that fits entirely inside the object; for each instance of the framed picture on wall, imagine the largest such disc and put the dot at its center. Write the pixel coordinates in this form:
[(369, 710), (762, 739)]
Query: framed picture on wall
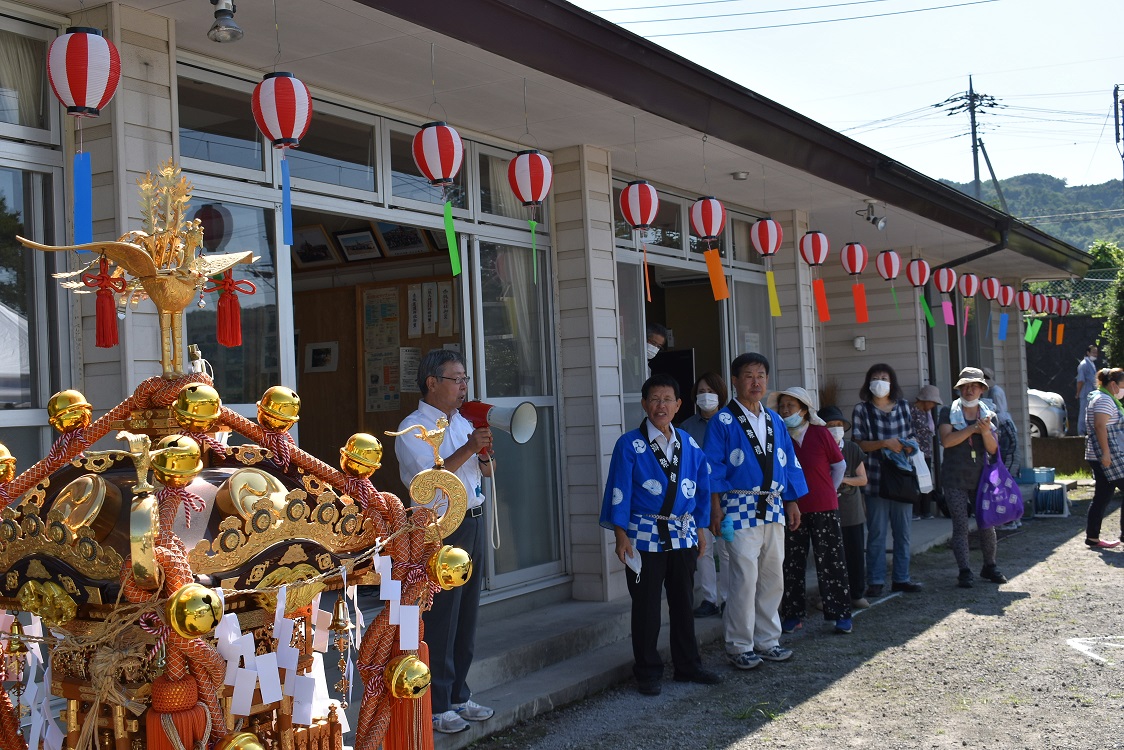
[(438, 239), (312, 247), (359, 244), (401, 239)]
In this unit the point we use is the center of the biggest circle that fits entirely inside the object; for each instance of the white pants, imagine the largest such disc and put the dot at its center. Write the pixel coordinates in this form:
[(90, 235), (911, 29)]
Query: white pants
[(752, 619), (714, 585)]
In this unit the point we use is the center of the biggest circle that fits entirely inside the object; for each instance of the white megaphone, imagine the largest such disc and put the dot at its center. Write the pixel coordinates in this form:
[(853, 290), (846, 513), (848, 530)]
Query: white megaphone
[(518, 421)]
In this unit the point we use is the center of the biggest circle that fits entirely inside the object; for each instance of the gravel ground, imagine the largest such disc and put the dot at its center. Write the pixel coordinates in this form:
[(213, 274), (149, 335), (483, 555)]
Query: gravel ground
[(1035, 663)]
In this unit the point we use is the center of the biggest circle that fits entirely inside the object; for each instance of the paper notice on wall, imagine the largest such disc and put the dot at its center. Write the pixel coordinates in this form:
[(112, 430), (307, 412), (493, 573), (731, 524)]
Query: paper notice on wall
[(380, 318), (414, 311), (753, 342), (381, 376), (409, 357), (429, 307), (445, 313)]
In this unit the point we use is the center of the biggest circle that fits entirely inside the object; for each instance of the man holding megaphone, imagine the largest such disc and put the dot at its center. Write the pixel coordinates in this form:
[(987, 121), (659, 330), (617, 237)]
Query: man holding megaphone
[(450, 625)]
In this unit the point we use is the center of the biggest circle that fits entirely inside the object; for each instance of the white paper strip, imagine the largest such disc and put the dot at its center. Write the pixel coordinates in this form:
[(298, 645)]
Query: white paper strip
[(35, 630), (322, 620), (268, 678), (243, 699), (279, 615), (304, 690), (408, 626), (390, 590), (54, 738)]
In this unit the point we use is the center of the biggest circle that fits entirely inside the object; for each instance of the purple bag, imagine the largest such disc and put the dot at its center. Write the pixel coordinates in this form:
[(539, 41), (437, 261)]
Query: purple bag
[(998, 499)]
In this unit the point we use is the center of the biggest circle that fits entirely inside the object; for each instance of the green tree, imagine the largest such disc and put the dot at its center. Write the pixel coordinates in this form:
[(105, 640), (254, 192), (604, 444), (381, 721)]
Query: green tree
[(13, 292), (1113, 332)]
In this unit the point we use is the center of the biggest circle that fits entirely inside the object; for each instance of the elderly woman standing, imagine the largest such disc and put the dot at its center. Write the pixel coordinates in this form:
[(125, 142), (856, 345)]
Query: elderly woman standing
[(1102, 414), (928, 398), (882, 421), (823, 465), (968, 437)]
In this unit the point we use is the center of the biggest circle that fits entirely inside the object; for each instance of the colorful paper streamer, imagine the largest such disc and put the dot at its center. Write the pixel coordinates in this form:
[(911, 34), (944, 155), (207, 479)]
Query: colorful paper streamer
[(286, 205), (858, 293), (647, 283), (928, 312), (965, 332), (1032, 330), (83, 199), (987, 326), (894, 294), (821, 300), (774, 300), (1060, 334), (1050, 331), (534, 250), (1003, 326), (717, 275), (451, 240), (948, 313)]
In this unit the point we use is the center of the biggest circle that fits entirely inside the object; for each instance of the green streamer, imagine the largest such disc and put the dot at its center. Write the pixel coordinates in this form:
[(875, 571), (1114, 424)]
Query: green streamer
[(1032, 329), (534, 250), (451, 239), (894, 292), (928, 313)]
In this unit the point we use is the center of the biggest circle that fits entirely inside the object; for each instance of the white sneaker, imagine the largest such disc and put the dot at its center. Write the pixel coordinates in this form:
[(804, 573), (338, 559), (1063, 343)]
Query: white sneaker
[(473, 711), (776, 653), (449, 722)]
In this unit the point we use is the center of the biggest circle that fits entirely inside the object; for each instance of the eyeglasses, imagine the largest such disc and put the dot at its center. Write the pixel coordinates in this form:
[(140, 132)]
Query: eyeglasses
[(462, 380), (662, 401)]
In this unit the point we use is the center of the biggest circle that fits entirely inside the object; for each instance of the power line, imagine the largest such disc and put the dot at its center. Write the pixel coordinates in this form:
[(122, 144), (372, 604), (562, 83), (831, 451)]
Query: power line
[(751, 12), (829, 20), (716, 2)]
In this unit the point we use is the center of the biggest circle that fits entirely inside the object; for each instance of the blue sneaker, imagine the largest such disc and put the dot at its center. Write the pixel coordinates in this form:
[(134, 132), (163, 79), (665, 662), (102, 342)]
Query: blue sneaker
[(843, 625), (791, 624)]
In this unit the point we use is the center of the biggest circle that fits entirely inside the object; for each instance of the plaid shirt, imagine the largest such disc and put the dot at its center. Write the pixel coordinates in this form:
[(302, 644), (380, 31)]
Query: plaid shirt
[(868, 422)]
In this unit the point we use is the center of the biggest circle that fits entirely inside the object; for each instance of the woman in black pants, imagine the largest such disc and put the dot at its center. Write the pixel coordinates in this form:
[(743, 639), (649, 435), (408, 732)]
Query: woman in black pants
[(1103, 448), (852, 509)]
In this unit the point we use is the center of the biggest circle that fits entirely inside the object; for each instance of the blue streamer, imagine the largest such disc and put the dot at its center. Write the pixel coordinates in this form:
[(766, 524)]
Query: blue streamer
[(987, 328), (1003, 326), (286, 204), (83, 199)]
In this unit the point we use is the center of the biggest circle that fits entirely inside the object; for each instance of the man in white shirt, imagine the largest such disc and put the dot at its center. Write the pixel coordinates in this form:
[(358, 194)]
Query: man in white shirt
[(1086, 384), (450, 626)]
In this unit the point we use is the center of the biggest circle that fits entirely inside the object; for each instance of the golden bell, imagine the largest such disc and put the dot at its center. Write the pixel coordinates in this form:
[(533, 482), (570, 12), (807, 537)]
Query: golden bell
[(68, 411), (194, 610), (240, 741), (407, 676), (16, 645), (449, 567), (341, 623), (197, 407), (7, 465), (279, 408), (176, 461), (361, 456)]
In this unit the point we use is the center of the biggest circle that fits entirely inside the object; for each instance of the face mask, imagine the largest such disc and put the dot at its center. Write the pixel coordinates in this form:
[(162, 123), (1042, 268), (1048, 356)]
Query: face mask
[(650, 351), (707, 401), (969, 404), (880, 388), (792, 421), (837, 433)]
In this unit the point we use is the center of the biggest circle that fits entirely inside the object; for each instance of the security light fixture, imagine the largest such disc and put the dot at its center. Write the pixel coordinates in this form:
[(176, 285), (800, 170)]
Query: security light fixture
[(740, 176), (879, 222), (224, 29)]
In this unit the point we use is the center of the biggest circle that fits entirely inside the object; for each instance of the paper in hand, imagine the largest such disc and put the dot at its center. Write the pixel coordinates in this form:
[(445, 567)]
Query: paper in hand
[(632, 560)]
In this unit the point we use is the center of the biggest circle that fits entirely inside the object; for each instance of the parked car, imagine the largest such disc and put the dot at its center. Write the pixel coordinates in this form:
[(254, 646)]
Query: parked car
[(1048, 416)]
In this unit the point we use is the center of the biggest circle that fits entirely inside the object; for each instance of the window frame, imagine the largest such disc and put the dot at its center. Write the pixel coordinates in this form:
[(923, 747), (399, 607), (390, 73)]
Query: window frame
[(52, 134), (326, 188), (488, 217), (391, 200)]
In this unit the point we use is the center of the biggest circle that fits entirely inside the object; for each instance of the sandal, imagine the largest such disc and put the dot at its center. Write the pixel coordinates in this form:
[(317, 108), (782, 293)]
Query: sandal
[(1102, 543)]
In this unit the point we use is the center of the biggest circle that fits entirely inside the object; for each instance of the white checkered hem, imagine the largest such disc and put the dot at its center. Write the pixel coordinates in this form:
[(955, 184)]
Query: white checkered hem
[(742, 510), (645, 534)]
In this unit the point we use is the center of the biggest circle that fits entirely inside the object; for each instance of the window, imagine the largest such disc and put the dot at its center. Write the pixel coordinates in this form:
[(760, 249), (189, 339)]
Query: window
[(743, 249), (630, 304), (336, 151), (23, 81), (242, 373), (515, 345), (408, 183), (753, 324), (217, 125), (496, 195), (666, 229)]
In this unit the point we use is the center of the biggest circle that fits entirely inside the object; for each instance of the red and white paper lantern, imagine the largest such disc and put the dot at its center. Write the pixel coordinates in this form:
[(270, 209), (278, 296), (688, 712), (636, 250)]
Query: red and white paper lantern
[(917, 271), (708, 218), (639, 204), (1006, 295), (84, 69), (438, 153), (282, 109), (814, 248), (1038, 302), (1024, 300), (990, 288), (1053, 305), (889, 264), (969, 285), (766, 236), (1064, 307), (853, 256), (530, 175), (945, 279)]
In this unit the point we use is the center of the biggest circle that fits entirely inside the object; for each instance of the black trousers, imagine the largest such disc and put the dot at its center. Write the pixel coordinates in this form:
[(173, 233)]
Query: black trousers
[(821, 530), (450, 626), (854, 550), (1102, 494), (674, 572)]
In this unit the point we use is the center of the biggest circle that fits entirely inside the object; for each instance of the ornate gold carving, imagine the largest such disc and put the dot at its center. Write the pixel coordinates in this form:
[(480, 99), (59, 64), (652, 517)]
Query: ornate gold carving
[(238, 540), (250, 454), (423, 491), (434, 437), (23, 534), (89, 501), (49, 601), (237, 495), (295, 554), (144, 526), (315, 487), (37, 493), (36, 569), (99, 461), (296, 597)]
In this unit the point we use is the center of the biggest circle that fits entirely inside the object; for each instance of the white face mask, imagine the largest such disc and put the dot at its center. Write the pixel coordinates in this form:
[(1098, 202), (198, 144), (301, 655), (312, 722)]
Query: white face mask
[(969, 403), (837, 433), (650, 351), (880, 388), (707, 401), (792, 421)]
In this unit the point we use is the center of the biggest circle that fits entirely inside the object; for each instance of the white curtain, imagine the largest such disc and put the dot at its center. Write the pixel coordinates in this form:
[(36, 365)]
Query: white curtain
[(23, 66), (504, 202)]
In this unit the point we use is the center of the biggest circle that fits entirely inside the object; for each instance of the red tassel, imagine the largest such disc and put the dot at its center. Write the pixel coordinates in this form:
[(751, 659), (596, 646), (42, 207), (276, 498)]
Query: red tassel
[(229, 324), (105, 309)]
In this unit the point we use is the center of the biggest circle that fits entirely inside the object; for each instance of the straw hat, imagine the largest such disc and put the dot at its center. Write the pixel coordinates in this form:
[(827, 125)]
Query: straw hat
[(972, 375), (930, 393), (801, 395)]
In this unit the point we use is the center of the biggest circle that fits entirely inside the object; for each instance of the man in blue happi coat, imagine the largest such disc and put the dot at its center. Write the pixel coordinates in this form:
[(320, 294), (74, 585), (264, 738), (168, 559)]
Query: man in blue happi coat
[(755, 482), (657, 497)]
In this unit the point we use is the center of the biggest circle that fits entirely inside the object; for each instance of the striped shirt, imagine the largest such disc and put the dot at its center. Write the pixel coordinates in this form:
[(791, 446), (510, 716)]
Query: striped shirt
[(868, 422), (1099, 403)]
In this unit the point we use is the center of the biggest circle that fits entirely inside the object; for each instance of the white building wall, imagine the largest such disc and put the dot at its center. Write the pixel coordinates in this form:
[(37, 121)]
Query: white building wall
[(795, 331)]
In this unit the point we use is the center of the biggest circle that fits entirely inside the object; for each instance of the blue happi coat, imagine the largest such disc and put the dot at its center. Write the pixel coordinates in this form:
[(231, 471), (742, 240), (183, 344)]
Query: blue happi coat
[(735, 467), (637, 485)]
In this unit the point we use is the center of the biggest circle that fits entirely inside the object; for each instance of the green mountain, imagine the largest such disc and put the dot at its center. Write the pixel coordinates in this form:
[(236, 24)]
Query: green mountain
[(1079, 214)]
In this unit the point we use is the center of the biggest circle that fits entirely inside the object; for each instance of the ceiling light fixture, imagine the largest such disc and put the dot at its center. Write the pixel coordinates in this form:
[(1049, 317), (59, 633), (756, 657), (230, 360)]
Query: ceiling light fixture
[(879, 222), (224, 29), (740, 176)]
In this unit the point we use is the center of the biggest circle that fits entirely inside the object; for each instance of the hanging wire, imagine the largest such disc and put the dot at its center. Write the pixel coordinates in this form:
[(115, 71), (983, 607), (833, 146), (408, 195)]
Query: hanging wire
[(635, 151), (277, 35), (705, 181)]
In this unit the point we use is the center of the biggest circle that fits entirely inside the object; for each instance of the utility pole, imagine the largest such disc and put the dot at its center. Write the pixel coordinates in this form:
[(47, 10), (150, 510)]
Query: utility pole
[(971, 102), (1117, 106)]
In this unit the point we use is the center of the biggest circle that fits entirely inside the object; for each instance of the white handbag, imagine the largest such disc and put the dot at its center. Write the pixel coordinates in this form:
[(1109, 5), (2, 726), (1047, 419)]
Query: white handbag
[(924, 478)]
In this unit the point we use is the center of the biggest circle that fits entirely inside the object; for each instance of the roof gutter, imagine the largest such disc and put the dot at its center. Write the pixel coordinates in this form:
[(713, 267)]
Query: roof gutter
[(595, 54)]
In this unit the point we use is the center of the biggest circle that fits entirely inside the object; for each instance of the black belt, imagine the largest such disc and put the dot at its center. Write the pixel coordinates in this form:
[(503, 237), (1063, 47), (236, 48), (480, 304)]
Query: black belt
[(476, 512)]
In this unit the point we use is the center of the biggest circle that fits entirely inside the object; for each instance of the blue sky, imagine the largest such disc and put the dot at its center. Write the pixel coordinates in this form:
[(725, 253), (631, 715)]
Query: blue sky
[(1052, 65)]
